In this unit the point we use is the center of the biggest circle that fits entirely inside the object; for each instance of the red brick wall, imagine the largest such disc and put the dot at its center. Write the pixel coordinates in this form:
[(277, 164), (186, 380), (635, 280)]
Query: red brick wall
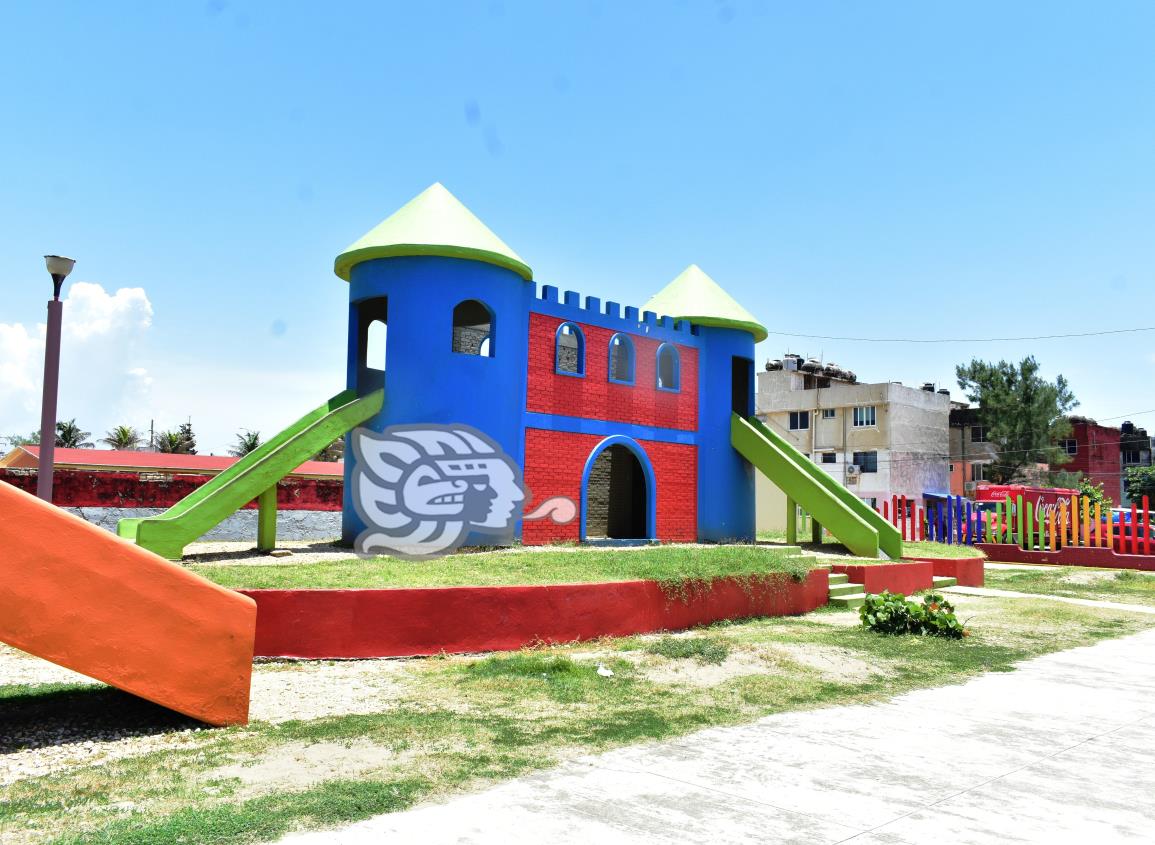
[(86, 489), (595, 396), (554, 461), (1098, 456)]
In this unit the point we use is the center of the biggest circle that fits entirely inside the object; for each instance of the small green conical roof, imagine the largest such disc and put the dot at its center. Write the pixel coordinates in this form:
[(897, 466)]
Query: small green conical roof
[(432, 223), (698, 299)]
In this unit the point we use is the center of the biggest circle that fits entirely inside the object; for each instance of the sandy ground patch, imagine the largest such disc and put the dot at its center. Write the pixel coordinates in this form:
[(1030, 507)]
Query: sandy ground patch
[(298, 765), (836, 664), (307, 690), (697, 674), (18, 667)]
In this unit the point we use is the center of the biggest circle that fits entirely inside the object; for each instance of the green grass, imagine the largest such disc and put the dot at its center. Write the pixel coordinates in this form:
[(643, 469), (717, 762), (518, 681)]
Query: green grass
[(1127, 586), (460, 723), (703, 649), (929, 549), (567, 566)]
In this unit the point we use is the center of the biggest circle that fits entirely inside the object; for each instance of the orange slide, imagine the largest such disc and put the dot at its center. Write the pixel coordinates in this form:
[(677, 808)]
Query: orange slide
[(79, 596)]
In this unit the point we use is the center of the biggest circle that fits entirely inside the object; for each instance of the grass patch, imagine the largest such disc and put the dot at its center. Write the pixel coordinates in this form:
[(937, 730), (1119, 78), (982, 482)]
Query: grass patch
[(460, 723), (702, 649), (929, 549), (1078, 582), (497, 568)]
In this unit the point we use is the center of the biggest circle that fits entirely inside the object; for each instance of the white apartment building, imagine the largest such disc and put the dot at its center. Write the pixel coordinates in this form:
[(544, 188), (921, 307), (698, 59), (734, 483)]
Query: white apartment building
[(880, 440)]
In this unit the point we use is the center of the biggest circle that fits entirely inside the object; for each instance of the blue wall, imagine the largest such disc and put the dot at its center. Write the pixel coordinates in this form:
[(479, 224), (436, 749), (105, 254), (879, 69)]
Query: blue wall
[(725, 479), (425, 381)]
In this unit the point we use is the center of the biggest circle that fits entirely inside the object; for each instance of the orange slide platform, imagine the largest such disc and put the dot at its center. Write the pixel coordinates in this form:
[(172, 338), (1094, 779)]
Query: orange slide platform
[(79, 596)]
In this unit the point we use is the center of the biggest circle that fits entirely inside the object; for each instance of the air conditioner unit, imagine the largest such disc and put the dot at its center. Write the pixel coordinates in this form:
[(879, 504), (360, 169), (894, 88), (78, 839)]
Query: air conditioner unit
[(852, 472), (970, 486)]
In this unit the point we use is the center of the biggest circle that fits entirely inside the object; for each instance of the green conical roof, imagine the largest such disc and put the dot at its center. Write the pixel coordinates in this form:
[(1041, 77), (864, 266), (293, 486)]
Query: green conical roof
[(698, 299), (432, 223)]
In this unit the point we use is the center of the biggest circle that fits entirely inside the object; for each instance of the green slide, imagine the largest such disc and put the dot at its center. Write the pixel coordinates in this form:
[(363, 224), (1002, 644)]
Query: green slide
[(254, 476), (846, 516)]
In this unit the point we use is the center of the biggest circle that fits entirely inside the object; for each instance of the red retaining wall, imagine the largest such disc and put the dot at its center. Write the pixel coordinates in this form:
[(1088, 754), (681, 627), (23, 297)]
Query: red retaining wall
[(968, 571), (1070, 556), (89, 489), (405, 623), (905, 578)]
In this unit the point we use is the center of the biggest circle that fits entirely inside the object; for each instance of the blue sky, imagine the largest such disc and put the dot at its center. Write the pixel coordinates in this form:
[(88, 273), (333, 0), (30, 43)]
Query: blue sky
[(886, 169)]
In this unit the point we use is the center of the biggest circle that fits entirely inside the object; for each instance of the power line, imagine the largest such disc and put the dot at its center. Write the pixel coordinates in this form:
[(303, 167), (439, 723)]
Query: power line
[(960, 339)]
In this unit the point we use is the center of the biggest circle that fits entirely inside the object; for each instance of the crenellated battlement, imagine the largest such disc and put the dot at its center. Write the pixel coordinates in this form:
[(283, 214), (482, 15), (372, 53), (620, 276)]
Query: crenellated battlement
[(569, 305)]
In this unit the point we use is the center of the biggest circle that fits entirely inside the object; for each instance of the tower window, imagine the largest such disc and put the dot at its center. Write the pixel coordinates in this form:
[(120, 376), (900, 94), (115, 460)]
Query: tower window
[(669, 368), (473, 329), (570, 350), (621, 359), (375, 337)]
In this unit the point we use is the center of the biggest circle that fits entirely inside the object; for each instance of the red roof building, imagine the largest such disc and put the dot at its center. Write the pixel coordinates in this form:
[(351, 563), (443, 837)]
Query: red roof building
[(113, 460), (1094, 451)]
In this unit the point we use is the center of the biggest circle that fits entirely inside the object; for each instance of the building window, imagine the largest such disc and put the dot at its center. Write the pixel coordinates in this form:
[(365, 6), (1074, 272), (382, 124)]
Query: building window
[(473, 328), (669, 368), (978, 472), (621, 359), (799, 420), (866, 461), (1132, 458), (978, 434), (828, 413), (864, 416), (829, 458), (1071, 447), (570, 350), (375, 345)]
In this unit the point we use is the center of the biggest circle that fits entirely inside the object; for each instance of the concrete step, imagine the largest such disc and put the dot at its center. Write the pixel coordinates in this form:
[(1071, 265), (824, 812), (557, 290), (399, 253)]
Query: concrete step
[(940, 581), (851, 601), (838, 578), (845, 589)]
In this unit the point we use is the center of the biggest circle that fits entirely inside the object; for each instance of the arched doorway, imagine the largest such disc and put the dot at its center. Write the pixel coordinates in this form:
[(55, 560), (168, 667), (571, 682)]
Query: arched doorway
[(617, 493)]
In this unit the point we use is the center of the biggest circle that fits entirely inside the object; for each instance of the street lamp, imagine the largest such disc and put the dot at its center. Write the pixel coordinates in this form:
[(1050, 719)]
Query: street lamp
[(59, 267)]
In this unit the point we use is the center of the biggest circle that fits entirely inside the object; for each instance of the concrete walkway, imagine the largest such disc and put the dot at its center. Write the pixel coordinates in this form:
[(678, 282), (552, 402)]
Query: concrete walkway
[(1062, 750), (1011, 594)]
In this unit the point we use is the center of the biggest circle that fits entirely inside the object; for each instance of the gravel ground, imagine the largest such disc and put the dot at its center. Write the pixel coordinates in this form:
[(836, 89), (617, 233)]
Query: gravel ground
[(57, 733)]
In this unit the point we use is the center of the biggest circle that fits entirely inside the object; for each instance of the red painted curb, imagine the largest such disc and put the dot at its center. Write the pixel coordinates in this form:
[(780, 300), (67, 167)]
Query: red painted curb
[(968, 571), (904, 577), (407, 623), (1069, 556)]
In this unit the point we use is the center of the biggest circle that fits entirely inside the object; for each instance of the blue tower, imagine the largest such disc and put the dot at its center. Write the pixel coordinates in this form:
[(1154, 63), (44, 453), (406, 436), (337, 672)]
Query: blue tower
[(726, 385), (434, 295)]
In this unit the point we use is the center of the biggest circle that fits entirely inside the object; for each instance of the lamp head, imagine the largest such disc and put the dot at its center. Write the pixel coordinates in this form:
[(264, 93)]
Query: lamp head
[(59, 267)]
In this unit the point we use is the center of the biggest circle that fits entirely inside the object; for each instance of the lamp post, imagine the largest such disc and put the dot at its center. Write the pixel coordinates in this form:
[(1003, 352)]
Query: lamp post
[(59, 267)]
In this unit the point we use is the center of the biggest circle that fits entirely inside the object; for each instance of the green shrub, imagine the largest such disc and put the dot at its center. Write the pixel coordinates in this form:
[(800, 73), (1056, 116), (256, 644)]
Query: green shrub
[(702, 649), (891, 613)]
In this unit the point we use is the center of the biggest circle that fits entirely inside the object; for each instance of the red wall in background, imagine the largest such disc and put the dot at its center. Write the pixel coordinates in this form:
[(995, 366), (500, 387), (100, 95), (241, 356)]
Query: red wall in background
[(555, 460), (594, 396), (86, 489)]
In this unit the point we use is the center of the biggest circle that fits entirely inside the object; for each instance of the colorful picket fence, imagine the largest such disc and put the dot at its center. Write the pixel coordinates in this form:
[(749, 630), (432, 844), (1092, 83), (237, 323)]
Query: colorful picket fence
[(1045, 527)]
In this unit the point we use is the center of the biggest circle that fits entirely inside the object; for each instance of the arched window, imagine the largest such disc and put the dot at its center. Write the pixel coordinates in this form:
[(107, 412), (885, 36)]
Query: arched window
[(375, 345), (473, 329), (669, 368), (570, 350), (621, 359)]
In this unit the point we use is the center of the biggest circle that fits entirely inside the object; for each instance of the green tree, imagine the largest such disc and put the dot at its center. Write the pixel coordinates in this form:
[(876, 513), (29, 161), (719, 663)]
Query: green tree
[(247, 441), (1024, 414), (190, 439), (122, 437), (1139, 482), (1095, 493), (32, 439), (333, 452), (69, 435), (172, 442)]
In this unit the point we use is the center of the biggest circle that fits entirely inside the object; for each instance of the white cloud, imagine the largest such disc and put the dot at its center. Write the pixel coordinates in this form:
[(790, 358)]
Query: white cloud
[(101, 373)]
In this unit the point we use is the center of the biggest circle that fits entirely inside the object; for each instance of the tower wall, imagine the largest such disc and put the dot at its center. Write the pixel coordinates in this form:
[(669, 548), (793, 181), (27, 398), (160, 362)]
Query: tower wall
[(424, 380)]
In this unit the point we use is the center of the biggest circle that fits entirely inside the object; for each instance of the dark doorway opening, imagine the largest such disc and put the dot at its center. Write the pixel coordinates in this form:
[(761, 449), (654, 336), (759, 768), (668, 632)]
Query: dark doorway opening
[(616, 505), (741, 393), (372, 334)]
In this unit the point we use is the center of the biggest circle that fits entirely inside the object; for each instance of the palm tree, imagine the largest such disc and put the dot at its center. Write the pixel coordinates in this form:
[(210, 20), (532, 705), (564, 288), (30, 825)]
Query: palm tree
[(122, 437), (69, 436), (171, 442), (247, 441)]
